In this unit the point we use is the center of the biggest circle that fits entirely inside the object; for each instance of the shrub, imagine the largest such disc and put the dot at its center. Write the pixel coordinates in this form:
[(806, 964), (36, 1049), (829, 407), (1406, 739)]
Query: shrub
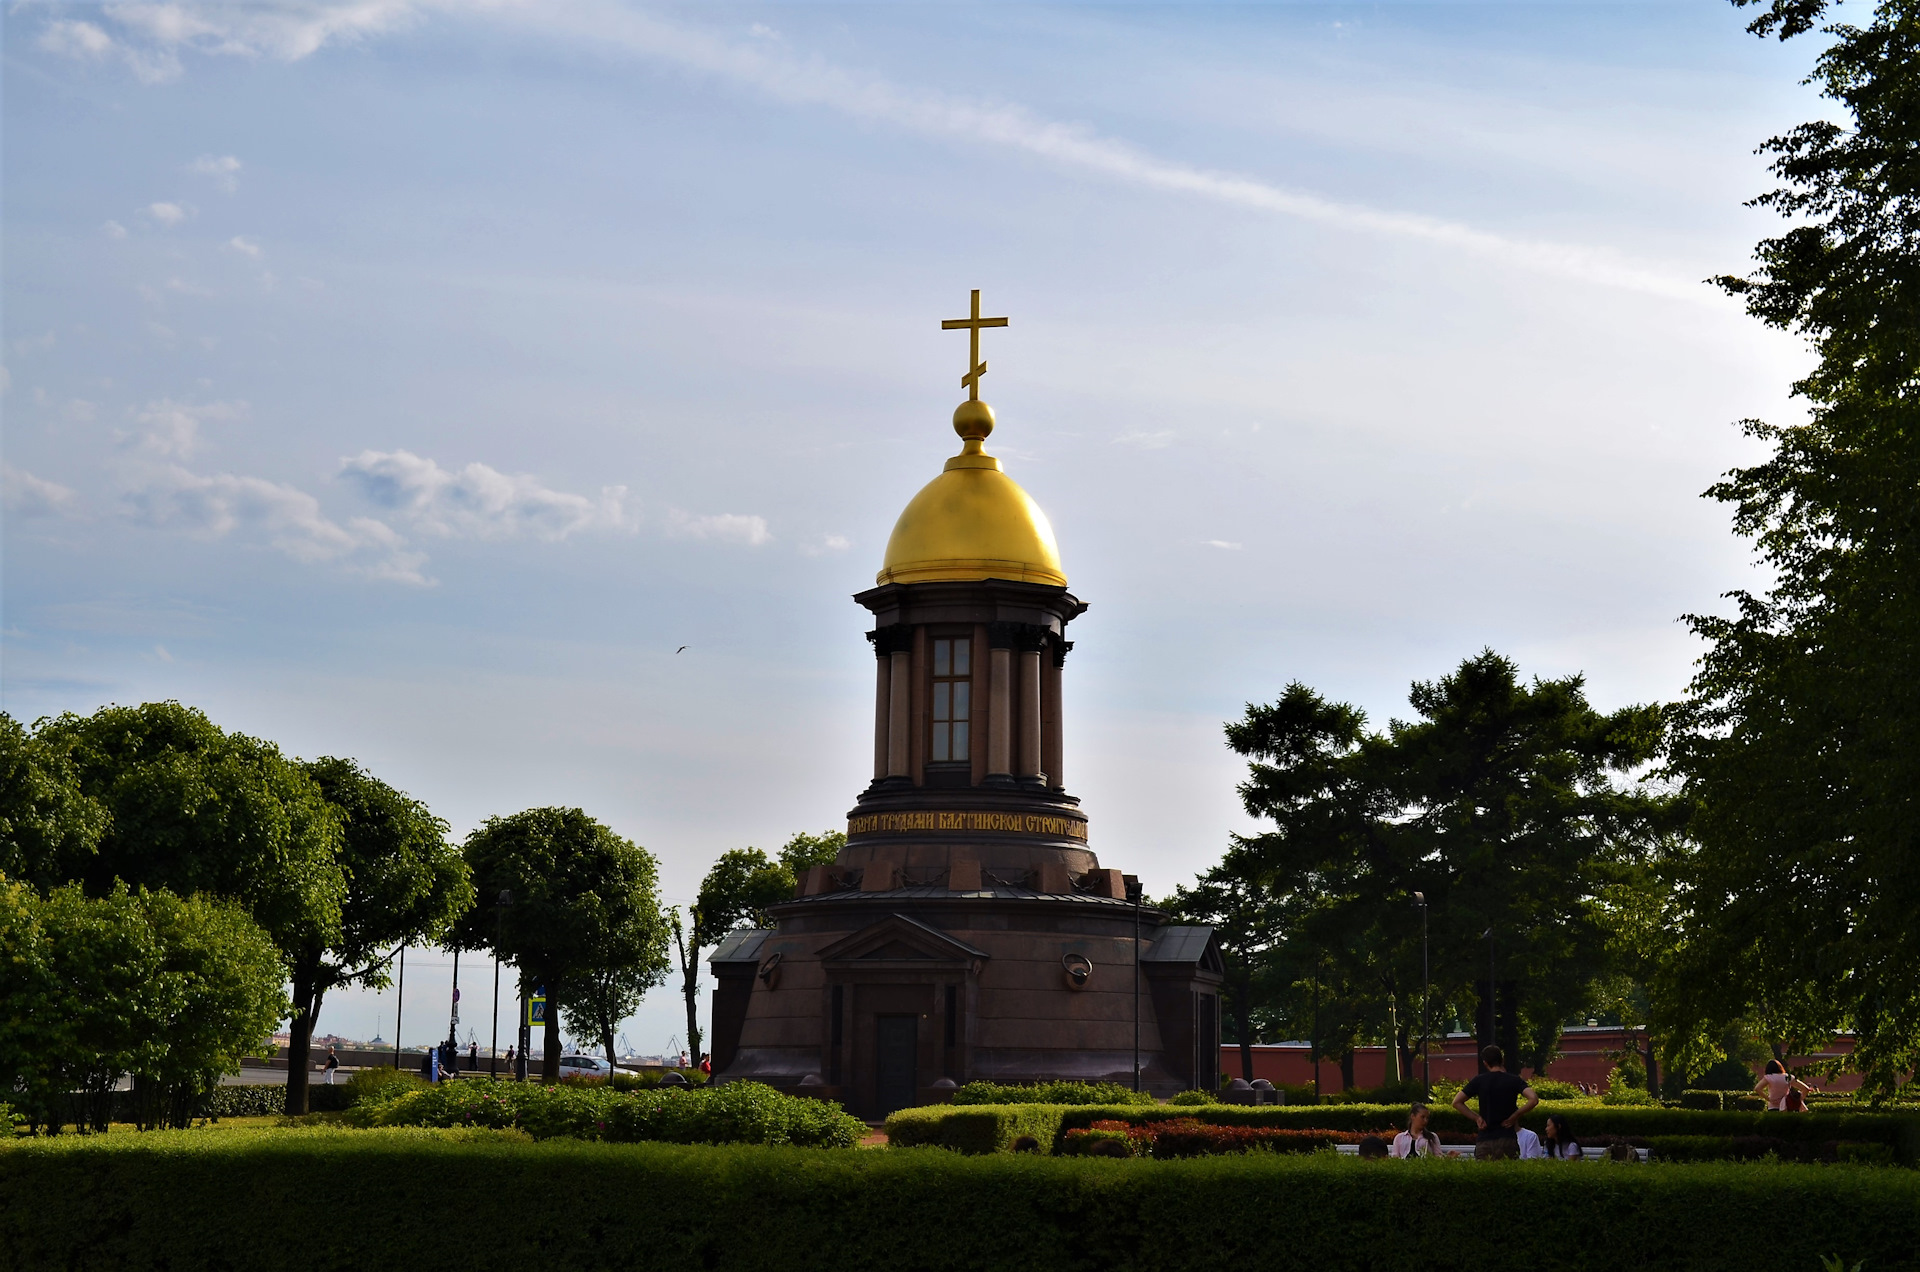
[(1188, 1099), (980, 1128), (734, 1113), (245, 1101), (1050, 1093), (371, 1086), (415, 1197), (1552, 1089), (1623, 1091)]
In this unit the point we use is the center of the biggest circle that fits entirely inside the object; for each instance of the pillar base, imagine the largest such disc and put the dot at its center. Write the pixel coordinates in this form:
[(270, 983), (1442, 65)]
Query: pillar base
[(1000, 781)]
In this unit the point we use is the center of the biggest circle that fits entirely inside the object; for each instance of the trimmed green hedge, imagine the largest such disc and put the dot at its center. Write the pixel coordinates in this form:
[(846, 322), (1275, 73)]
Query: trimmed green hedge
[(1102, 1093), (407, 1198), (732, 1113), (1899, 1132)]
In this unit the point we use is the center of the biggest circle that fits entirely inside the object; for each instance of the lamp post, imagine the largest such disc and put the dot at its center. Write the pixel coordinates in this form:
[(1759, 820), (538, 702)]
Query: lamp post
[(1134, 895), (1426, 998), (1493, 994), (400, 1004), (499, 937)]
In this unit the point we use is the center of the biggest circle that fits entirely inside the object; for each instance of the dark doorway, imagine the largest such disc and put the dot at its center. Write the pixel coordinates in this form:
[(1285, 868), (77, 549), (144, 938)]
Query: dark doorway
[(895, 1083)]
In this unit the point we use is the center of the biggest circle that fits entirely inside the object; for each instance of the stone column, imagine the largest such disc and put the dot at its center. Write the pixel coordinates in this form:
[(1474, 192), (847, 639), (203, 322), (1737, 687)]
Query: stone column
[(1000, 717), (899, 706), (1051, 745), (1030, 715), (882, 709)]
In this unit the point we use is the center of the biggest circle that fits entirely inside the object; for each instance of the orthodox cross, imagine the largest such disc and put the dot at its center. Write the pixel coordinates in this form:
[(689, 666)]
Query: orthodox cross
[(975, 367)]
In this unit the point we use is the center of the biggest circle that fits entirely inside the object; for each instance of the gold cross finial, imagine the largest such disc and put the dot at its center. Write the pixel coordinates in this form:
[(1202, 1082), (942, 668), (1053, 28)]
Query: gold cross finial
[(975, 367)]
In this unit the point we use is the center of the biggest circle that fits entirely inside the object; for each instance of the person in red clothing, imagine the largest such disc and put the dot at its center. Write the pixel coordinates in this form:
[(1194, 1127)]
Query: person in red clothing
[(706, 1064)]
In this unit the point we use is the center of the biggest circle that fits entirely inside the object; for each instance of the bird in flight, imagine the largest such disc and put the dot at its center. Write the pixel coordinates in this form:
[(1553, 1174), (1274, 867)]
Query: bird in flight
[(683, 649)]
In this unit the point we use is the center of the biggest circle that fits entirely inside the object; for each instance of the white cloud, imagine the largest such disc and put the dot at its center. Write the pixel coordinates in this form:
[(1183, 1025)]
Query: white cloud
[(479, 502), (1159, 440), (761, 31), (825, 544), (1228, 546), (172, 429), (223, 169), (167, 213), (76, 39), (723, 527), (285, 517), (28, 496), (114, 229), (244, 246)]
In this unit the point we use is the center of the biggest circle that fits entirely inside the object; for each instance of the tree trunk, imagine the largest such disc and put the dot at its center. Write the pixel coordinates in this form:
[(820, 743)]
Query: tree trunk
[(550, 1038), (1346, 1069), (606, 1040), (691, 985), (306, 1002)]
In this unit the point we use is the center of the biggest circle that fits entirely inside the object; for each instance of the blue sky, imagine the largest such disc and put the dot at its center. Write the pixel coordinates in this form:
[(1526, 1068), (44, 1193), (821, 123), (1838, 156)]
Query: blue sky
[(408, 380)]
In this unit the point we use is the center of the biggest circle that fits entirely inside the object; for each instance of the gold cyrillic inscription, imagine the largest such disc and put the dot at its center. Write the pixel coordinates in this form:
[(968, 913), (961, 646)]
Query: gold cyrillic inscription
[(1014, 823)]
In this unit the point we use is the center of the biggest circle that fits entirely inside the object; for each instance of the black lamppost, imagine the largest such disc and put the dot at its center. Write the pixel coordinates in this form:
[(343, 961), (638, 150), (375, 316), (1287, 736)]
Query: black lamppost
[(1426, 998), (1134, 896), (400, 1005), (499, 937)]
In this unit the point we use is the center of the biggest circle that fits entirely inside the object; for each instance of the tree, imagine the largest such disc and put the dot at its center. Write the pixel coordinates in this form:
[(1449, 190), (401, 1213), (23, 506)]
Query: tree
[(804, 851), (404, 883), (50, 829), (585, 903), (1800, 745), (1498, 803), (172, 991), (194, 809)]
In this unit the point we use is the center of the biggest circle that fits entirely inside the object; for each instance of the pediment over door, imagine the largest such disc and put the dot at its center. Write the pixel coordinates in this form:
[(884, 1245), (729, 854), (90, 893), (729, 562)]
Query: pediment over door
[(898, 941)]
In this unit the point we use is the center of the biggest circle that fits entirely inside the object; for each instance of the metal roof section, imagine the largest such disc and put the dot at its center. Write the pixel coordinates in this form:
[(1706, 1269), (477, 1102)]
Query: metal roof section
[(927, 940), (998, 892), (742, 945), (1179, 945)]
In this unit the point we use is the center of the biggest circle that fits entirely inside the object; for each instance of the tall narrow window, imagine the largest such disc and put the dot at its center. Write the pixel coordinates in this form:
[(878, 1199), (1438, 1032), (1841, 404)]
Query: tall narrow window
[(952, 699)]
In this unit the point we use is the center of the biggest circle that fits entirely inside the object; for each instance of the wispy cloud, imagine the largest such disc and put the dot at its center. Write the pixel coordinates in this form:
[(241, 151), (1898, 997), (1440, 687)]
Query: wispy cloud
[(478, 502), (25, 495), (1158, 439), (160, 32), (172, 429), (285, 517), (724, 527), (223, 169), (167, 213), (113, 229), (244, 246), (1226, 545)]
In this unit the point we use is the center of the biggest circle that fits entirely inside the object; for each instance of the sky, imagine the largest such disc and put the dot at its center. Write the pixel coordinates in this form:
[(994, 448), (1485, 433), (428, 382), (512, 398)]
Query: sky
[(409, 380)]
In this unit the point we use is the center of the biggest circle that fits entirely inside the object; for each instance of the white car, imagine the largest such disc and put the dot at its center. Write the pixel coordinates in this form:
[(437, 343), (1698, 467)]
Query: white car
[(584, 1067)]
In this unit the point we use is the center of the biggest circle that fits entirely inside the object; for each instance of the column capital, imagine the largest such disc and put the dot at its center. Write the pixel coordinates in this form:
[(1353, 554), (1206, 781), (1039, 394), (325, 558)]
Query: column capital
[(1060, 648), (896, 638), (1026, 637)]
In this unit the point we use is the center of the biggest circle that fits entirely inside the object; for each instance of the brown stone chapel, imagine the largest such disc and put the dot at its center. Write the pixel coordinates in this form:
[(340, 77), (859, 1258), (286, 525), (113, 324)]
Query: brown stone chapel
[(967, 930)]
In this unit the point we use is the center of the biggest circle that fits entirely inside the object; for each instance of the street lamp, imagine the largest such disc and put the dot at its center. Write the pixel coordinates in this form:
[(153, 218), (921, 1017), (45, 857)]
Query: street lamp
[(400, 1004), (1426, 997), (499, 931), (1493, 995), (1134, 893)]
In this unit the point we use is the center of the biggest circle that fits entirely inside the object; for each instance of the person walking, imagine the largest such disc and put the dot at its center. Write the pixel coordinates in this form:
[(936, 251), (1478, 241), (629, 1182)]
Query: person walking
[(473, 1056), (1776, 1086), (332, 1065), (1417, 1140), (1499, 1093)]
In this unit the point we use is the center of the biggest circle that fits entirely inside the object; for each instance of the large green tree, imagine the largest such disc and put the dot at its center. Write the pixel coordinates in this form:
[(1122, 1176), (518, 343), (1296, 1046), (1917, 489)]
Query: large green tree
[(585, 903), (1502, 802), (1801, 742), (404, 883), (50, 829), (195, 809)]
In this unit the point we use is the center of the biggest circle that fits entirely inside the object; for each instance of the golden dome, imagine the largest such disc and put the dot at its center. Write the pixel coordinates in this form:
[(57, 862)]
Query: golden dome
[(972, 521)]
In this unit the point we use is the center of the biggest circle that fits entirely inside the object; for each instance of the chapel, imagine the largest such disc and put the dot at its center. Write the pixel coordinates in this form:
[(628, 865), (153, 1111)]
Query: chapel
[(967, 931)]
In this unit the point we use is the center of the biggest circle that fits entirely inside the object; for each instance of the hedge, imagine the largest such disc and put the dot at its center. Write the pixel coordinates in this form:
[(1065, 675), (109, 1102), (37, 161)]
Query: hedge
[(1102, 1093), (733, 1113), (418, 1198), (1899, 1132)]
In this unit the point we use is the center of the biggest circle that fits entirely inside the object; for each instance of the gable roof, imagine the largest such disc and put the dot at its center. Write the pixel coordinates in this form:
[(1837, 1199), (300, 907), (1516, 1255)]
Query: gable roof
[(742, 945), (1184, 944), (899, 937)]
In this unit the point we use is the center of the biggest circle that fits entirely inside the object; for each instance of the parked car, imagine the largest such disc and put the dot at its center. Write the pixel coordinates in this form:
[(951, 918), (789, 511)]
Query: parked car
[(584, 1067)]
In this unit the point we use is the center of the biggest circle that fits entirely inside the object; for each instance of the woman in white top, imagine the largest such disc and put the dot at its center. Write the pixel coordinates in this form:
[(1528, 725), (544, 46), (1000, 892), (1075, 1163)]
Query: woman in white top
[(1557, 1139), (1416, 1140), (1774, 1085)]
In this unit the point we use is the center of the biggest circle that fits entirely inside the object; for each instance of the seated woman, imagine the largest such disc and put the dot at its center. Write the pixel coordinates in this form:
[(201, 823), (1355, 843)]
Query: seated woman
[(1416, 1140), (1557, 1140), (1776, 1086)]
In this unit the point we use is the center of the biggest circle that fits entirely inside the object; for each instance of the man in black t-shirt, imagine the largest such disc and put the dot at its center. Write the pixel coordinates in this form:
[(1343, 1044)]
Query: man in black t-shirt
[(1499, 1093)]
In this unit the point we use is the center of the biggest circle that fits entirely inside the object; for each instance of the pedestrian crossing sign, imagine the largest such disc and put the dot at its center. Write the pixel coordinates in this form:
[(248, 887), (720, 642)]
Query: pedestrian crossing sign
[(537, 1007)]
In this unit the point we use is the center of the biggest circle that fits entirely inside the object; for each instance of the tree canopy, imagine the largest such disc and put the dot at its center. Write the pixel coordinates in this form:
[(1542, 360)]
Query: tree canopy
[(584, 900), (1799, 746)]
